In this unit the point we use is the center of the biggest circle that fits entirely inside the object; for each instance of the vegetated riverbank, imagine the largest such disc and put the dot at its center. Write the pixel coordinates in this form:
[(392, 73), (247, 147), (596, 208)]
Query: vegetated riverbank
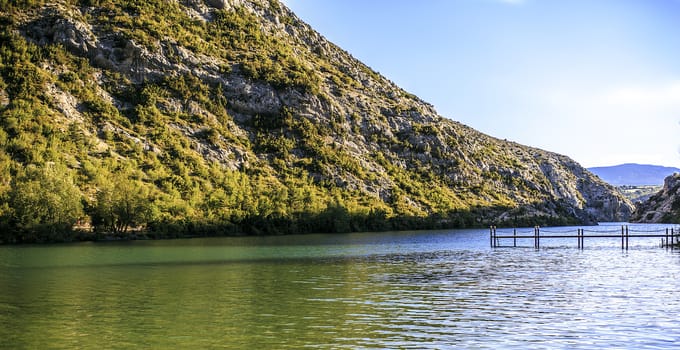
[(332, 220)]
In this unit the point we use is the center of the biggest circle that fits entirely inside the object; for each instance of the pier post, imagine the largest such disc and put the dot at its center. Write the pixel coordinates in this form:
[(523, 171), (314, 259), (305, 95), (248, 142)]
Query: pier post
[(491, 236), (622, 237), (537, 237), (666, 238), (627, 235), (514, 237), (583, 238)]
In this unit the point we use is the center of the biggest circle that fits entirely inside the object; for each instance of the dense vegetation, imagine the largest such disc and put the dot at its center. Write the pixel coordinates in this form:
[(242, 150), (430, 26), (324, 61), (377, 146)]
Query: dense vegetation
[(172, 154)]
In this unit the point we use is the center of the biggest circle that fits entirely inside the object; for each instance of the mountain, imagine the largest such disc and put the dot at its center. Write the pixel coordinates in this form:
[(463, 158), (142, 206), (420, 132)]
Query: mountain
[(664, 206), (633, 174), (211, 116)]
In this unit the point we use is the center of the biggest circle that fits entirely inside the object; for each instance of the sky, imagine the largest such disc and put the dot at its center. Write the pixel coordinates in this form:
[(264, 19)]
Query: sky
[(596, 80)]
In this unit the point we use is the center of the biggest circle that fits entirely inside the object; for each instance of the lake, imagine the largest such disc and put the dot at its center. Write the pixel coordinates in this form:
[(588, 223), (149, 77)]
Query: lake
[(392, 290)]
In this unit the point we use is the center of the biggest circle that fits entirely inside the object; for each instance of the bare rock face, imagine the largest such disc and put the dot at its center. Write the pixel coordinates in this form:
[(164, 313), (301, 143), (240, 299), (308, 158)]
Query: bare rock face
[(4, 98), (56, 26), (663, 207), (218, 4)]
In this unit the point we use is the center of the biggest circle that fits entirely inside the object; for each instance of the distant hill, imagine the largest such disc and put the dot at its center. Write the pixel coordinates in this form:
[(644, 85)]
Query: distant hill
[(633, 174)]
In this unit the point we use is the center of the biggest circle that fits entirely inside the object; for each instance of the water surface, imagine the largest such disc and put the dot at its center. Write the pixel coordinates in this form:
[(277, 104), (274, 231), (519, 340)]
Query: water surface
[(429, 289)]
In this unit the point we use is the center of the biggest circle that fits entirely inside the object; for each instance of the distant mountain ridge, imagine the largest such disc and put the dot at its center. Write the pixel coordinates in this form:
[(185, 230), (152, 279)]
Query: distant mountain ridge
[(632, 174)]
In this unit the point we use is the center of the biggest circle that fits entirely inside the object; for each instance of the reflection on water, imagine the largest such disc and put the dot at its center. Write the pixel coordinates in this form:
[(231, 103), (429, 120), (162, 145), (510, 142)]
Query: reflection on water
[(392, 290)]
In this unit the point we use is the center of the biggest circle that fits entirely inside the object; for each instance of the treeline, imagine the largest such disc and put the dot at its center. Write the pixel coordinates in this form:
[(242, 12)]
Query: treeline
[(44, 204)]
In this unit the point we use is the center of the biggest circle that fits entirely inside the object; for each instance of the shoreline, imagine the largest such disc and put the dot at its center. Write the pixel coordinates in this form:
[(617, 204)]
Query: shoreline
[(79, 235)]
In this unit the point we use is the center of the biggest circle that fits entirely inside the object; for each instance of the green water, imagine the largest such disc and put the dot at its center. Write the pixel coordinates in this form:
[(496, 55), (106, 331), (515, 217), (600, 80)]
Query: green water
[(203, 293), (249, 305), (391, 290)]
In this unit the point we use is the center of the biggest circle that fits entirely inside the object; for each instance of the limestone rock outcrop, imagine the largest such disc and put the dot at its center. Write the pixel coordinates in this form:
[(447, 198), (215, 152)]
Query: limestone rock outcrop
[(663, 207)]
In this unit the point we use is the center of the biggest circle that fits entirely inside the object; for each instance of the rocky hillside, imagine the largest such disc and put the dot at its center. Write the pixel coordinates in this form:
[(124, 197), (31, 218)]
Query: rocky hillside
[(663, 207), (639, 193), (237, 116)]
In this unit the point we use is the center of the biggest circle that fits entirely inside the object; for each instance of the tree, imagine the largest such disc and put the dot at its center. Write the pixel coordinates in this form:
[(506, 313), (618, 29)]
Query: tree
[(121, 205), (44, 201)]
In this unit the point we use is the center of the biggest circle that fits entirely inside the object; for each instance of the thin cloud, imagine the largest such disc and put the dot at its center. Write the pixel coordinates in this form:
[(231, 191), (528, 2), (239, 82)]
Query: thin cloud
[(635, 122), (512, 2), (660, 96)]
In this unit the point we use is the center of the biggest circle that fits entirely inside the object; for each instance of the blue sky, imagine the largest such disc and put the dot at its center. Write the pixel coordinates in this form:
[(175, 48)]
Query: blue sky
[(597, 80)]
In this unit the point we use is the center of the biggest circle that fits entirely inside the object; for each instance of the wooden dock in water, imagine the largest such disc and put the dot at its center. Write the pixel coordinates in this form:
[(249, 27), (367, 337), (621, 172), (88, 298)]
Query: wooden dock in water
[(669, 236)]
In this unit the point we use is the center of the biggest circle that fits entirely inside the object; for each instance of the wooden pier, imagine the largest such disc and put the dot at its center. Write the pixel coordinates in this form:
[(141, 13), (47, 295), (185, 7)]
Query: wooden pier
[(669, 236)]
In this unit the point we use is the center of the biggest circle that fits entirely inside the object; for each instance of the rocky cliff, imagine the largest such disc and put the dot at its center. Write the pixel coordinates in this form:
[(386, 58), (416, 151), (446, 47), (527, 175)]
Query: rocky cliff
[(189, 96), (663, 207)]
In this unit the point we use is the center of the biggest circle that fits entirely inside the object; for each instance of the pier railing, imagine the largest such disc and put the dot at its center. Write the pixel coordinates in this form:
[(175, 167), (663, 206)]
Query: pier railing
[(669, 236)]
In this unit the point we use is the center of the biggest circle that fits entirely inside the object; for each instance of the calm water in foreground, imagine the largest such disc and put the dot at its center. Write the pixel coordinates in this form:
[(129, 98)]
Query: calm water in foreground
[(432, 289)]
